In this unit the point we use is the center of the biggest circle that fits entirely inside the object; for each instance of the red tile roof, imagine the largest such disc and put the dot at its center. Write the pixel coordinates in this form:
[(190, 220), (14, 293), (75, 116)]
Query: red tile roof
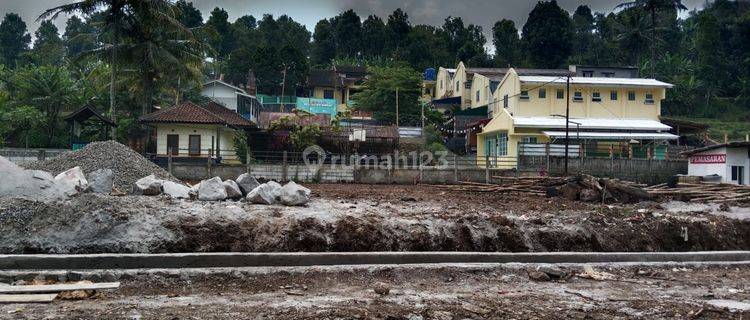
[(189, 112)]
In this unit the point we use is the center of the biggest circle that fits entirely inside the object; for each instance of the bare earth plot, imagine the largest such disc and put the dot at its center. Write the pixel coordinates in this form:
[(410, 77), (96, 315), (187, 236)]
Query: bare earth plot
[(351, 217), (683, 291)]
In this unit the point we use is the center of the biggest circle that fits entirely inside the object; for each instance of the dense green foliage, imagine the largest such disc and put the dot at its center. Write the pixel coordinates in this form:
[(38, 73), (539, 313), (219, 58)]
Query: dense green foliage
[(124, 57)]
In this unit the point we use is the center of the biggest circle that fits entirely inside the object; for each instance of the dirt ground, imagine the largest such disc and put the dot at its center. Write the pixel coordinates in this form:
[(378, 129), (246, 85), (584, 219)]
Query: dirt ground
[(351, 217), (683, 291)]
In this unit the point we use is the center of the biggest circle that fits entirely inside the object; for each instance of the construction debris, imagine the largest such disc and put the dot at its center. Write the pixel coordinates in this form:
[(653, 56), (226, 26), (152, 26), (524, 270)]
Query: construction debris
[(293, 194), (247, 183), (148, 186), (101, 181), (267, 193), (127, 165), (702, 192), (232, 189), (212, 190)]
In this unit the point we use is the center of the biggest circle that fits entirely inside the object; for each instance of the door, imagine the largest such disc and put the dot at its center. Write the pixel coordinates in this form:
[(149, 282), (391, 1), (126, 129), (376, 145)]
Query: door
[(741, 175), (173, 144), (194, 148)]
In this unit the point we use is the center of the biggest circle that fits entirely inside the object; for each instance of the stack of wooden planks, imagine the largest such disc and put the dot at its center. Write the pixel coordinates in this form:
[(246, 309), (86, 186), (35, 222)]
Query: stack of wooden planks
[(46, 293), (702, 192), (528, 185)]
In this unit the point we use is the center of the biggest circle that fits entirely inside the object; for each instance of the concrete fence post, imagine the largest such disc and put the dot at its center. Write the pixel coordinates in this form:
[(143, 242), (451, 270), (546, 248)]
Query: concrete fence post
[(487, 168), (455, 168), (169, 161), (546, 154), (284, 167), (419, 163), (247, 162), (208, 163), (41, 155)]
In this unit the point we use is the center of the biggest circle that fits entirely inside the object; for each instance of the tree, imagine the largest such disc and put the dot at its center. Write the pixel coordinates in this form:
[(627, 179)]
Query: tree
[(633, 36), (14, 39), (398, 29), (653, 7), (583, 24), (548, 35), (347, 34), (424, 48), (188, 15), (380, 90), (221, 38), (507, 43), (710, 56), (78, 37), (23, 118), (113, 17), (48, 47), (49, 89), (158, 45), (324, 46), (374, 37)]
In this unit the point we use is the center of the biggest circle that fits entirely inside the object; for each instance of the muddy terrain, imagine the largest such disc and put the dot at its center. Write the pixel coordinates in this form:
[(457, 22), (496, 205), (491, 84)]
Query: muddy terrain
[(685, 291), (350, 217)]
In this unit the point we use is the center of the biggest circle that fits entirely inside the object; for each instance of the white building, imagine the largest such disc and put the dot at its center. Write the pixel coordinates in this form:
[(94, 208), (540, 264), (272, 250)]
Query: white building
[(233, 98), (730, 161)]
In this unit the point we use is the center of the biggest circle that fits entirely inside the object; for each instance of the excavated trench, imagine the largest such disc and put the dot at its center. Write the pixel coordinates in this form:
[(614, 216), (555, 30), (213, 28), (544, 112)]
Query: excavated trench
[(106, 224)]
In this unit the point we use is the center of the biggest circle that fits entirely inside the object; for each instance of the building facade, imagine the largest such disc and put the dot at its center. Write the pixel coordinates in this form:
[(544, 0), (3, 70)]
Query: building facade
[(728, 161), (603, 111)]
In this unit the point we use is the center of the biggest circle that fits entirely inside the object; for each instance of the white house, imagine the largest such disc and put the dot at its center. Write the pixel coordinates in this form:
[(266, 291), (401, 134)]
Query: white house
[(233, 98), (730, 161)]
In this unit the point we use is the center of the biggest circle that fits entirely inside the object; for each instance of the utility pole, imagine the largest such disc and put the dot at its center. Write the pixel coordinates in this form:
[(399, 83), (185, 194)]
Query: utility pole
[(283, 86), (567, 119), (422, 119), (397, 107)]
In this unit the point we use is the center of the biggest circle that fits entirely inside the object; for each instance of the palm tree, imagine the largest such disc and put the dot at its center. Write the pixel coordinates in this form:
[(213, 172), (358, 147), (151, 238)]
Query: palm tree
[(633, 33), (115, 18), (50, 89), (653, 7)]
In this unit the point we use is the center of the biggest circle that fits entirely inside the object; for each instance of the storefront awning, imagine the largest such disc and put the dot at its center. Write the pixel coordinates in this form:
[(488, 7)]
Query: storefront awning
[(611, 135)]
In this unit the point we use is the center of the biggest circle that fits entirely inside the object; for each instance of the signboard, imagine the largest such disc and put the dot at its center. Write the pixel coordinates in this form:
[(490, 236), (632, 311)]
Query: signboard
[(317, 106), (708, 158)]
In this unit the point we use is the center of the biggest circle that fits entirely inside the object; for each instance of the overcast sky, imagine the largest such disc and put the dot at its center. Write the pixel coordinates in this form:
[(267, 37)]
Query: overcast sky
[(309, 12)]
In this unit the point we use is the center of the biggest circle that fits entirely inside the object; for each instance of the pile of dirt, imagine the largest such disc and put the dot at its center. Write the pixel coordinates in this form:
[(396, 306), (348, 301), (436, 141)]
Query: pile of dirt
[(128, 166)]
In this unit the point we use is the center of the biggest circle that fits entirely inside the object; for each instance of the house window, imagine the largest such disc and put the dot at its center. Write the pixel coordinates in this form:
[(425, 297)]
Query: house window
[(596, 97), (327, 94), (497, 146), (613, 95), (542, 93), (631, 95), (524, 95), (588, 74), (608, 74), (505, 101), (560, 94), (173, 144), (194, 145), (649, 98), (578, 96), (529, 140)]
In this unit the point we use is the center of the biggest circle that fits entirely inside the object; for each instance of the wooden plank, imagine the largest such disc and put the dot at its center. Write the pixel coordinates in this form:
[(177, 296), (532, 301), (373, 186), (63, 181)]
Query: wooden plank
[(59, 287), (28, 298)]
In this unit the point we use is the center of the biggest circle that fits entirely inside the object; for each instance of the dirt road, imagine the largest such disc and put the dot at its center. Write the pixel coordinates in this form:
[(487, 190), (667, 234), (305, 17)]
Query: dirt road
[(685, 291), (349, 217)]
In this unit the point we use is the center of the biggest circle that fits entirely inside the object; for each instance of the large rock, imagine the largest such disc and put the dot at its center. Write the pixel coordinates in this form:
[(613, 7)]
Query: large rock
[(233, 190), (148, 186), (212, 189), (247, 183), (29, 184), (72, 181), (176, 190), (267, 193), (101, 181), (293, 194)]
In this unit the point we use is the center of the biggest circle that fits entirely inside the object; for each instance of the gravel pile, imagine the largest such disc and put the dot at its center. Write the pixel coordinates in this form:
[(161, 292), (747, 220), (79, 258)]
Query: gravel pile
[(127, 165)]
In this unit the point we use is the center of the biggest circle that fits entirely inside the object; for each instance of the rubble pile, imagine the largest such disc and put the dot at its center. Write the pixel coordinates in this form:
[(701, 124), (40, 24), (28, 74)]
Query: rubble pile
[(215, 189), (127, 165)]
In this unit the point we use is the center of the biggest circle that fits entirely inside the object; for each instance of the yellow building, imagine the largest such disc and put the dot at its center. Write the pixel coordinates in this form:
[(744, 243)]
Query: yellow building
[(339, 83), (192, 131), (443, 87), (531, 109)]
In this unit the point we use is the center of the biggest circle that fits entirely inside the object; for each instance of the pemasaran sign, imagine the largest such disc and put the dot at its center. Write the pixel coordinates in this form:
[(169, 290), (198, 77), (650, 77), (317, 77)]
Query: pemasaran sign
[(708, 158)]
